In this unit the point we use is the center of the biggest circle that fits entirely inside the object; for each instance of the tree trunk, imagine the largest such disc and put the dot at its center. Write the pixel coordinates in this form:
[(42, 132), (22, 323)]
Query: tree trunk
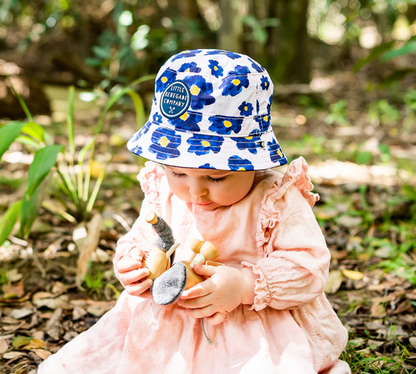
[(288, 46), (230, 33)]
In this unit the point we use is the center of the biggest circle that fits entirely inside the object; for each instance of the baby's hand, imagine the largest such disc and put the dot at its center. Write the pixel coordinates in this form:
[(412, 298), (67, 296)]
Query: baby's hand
[(224, 291), (132, 273)]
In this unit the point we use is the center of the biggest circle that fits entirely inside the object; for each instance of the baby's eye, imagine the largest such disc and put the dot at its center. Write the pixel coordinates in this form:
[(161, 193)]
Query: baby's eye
[(177, 175), (216, 179)]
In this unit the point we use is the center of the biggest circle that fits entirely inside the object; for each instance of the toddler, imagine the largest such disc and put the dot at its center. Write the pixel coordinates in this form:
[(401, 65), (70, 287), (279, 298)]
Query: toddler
[(212, 148)]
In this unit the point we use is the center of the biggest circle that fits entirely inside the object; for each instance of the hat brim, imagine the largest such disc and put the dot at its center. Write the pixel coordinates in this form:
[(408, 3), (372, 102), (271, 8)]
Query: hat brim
[(194, 150)]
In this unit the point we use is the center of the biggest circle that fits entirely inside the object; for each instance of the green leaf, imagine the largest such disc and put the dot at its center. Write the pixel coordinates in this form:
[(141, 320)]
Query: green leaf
[(28, 212), (364, 157), (8, 220), (44, 159), (70, 120), (373, 55), (101, 52), (21, 341), (384, 149), (406, 49), (34, 130), (394, 77), (8, 134)]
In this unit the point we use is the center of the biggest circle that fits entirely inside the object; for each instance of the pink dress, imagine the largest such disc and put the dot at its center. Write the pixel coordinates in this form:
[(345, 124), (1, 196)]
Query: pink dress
[(290, 329)]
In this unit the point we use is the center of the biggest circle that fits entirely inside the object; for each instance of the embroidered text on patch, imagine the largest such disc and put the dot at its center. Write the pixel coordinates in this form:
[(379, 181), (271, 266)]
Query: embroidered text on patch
[(175, 100)]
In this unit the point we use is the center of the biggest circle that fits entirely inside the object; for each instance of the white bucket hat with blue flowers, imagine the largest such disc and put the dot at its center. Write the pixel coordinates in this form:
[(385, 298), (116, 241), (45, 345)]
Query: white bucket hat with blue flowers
[(211, 110)]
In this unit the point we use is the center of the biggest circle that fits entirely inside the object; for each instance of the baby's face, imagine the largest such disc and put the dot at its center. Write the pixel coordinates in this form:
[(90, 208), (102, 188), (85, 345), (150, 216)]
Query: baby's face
[(209, 189)]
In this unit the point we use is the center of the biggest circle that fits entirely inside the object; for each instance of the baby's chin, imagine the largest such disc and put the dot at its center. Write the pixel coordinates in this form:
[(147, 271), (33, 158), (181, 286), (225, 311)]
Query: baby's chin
[(206, 207)]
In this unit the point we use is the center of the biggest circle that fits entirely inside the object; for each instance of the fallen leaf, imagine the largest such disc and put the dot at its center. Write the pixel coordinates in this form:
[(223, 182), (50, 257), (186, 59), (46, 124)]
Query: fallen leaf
[(349, 221), (53, 327), (20, 341), (412, 341), (43, 354), (403, 307), (21, 313), (87, 246), (334, 281), (13, 275), (78, 313), (13, 354), (13, 292), (3, 346), (378, 309), (35, 344), (352, 274)]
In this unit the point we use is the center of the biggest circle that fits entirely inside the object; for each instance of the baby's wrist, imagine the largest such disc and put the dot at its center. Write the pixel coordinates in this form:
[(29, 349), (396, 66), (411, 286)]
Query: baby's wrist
[(250, 283)]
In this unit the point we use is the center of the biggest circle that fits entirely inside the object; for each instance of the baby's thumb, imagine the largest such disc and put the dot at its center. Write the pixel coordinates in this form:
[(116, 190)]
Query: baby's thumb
[(205, 270)]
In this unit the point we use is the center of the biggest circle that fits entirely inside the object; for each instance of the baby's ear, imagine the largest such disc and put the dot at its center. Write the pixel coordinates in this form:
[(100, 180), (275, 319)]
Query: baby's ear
[(167, 288)]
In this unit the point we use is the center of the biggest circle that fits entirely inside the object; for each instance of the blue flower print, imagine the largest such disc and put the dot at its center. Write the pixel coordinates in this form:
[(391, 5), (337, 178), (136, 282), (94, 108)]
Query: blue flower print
[(264, 83), (190, 68), (231, 55), (225, 125), (216, 69), (264, 122), (200, 91), (165, 142), (157, 118), (137, 150), (187, 121), (276, 153), (246, 109), (256, 66), (251, 142), (206, 166), (202, 144), (239, 164), (186, 54), (236, 80), (269, 105), (257, 106), (165, 79)]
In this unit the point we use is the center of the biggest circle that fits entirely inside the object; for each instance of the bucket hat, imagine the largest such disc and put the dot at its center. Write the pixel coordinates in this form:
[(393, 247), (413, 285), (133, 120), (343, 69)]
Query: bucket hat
[(211, 110)]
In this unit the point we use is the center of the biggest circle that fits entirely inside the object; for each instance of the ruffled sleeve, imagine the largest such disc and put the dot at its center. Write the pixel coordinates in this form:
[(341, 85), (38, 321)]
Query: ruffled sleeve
[(141, 234), (295, 265)]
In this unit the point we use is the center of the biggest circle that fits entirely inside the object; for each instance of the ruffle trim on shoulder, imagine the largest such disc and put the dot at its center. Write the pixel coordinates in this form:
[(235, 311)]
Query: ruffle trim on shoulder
[(263, 295), (150, 180), (269, 217)]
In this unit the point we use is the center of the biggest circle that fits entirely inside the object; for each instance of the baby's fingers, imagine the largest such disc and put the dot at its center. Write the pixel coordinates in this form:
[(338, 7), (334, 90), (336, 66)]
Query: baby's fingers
[(133, 276), (201, 313), (126, 264), (201, 289), (216, 319), (137, 289)]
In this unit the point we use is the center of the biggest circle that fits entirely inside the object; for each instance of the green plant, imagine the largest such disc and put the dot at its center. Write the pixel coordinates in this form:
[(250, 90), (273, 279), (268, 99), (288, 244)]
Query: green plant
[(337, 113), (383, 112), (93, 283), (77, 185)]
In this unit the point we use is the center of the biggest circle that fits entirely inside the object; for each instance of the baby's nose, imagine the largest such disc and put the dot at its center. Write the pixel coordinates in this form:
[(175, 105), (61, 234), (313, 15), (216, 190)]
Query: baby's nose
[(198, 189)]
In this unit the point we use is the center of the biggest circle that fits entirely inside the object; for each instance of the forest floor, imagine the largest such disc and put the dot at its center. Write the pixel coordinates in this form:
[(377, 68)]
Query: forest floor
[(360, 143)]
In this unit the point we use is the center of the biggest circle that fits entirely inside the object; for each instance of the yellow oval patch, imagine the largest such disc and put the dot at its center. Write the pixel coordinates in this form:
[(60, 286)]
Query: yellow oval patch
[(205, 143), (195, 90), (236, 82), (184, 116), (164, 79), (164, 141), (227, 124)]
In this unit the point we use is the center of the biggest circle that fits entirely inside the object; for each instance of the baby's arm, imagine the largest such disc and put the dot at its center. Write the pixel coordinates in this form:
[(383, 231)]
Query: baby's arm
[(130, 252), (296, 268)]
